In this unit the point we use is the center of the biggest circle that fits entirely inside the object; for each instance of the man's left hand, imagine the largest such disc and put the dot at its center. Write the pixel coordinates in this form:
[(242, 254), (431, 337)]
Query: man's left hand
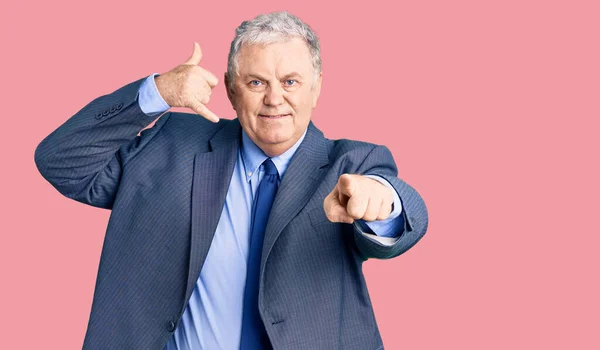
[(358, 197)]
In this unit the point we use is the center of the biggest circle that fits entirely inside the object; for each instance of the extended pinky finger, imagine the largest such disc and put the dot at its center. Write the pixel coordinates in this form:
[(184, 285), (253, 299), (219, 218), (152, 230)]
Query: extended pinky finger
[(205, 112)]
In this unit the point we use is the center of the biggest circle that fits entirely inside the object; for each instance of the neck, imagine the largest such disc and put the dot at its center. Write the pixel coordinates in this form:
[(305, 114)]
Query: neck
[(274, 150)]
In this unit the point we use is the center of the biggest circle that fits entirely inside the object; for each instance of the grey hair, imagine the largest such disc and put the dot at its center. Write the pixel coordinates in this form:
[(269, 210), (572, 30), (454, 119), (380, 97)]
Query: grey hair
[(270, 28)]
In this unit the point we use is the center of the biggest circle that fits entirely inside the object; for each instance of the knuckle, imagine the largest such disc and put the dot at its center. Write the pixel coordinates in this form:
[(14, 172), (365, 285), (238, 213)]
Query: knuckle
[(370, 216)]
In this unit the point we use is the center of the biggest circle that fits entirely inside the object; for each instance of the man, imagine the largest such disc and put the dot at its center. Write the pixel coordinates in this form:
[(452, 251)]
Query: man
[(224, 234)]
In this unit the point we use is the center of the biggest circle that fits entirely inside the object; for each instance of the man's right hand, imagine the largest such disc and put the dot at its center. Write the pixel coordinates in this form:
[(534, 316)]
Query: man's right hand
[(189, 85)]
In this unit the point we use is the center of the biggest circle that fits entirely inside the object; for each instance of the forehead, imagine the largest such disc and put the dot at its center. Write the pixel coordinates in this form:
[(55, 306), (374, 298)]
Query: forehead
[(278, 58)]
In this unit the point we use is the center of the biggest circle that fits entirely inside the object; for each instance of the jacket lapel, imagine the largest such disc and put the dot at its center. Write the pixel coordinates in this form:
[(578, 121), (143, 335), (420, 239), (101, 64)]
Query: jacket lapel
[(211, 179), (212, 176), (298, 185)]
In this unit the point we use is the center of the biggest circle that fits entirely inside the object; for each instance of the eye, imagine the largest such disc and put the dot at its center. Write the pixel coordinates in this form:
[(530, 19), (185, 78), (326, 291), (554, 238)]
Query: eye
[(255, 83), (290, 82)]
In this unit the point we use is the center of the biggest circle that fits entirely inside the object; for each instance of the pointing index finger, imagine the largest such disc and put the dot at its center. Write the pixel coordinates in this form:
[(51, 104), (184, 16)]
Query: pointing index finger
[(347, 185)]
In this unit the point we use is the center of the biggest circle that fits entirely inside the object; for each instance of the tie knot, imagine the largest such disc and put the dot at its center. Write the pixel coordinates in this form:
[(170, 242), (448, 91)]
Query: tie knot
[(270, 168)]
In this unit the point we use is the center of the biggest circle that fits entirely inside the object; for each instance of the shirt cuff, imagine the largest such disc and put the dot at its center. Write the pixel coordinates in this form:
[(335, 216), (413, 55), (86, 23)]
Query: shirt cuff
[(359, 225), (151, 103), (391, 227)]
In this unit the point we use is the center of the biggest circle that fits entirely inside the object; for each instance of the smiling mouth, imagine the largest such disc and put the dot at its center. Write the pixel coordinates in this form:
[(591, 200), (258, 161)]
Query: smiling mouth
[(273, 116)]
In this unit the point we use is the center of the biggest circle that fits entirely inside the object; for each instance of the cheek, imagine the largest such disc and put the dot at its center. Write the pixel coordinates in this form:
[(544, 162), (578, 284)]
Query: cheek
[(303, 104), (251, 103)]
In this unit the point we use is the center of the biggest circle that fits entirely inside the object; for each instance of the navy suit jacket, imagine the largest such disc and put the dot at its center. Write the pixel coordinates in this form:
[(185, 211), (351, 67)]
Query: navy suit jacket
[(166, 188)]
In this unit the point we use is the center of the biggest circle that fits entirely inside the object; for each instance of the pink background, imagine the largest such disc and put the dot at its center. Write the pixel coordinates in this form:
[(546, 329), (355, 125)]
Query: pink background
[(491, 110)]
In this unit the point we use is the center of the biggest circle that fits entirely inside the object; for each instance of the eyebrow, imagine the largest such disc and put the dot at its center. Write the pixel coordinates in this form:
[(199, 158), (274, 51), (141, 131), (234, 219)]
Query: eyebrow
[(292, 74), (289, 75)]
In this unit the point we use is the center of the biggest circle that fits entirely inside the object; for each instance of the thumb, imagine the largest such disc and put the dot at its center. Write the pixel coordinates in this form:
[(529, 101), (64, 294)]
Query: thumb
[(196, 56)]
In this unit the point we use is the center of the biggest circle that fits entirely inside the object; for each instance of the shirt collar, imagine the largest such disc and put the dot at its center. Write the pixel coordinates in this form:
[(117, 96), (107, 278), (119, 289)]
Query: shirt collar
[(253, 156)]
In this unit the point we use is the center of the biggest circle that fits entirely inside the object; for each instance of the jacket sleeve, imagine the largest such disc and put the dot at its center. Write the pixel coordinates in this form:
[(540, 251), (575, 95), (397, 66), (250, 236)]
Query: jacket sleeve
[(414, 212), (83, 158)]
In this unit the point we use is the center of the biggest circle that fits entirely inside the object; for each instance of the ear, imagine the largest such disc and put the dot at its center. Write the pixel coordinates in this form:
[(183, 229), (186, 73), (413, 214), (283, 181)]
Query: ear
[(230, 93), (317, 89)]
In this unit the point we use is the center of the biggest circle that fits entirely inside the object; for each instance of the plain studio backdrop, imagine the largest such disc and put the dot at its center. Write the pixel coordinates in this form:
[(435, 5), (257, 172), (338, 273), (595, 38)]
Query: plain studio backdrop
[(490, 109)]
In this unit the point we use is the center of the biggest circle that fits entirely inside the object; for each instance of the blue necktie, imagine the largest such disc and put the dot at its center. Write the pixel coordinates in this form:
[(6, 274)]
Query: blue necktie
[(254, 335)]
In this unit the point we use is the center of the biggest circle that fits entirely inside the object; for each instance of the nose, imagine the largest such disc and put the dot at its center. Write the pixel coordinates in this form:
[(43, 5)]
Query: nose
[(274, 95)]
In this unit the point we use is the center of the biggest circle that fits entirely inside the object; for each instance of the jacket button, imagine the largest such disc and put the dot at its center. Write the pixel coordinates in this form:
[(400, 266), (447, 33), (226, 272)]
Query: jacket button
[(99, 115), (105, 112), (119, 105), (112, 109), (171, 326)]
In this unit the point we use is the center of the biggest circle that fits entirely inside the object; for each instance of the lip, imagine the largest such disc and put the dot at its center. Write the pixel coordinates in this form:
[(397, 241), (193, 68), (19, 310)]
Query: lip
[(279, 116)]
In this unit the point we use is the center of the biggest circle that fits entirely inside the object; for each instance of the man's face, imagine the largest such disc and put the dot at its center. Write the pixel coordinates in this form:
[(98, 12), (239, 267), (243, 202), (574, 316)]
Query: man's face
[(274, 93)]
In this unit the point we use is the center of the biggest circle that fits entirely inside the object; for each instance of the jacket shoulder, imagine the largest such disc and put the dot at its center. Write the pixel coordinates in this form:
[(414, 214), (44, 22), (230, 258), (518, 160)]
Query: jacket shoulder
[(188, 127), (344, 147)]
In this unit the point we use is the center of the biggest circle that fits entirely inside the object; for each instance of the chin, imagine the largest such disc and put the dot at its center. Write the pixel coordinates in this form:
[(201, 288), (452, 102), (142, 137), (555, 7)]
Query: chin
[(275, 135), (273, 140)]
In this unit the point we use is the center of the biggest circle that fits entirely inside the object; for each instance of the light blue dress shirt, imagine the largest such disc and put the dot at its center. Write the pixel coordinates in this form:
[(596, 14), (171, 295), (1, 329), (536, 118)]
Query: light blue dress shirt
[(213, 316)]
